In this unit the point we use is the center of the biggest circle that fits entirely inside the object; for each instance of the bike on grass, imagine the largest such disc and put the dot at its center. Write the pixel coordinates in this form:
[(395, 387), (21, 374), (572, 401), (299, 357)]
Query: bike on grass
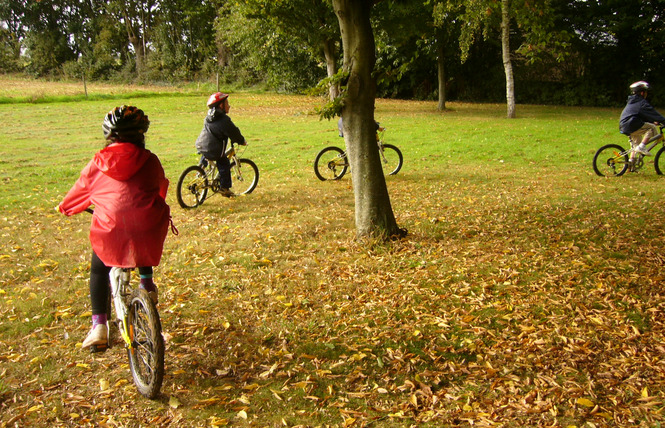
[(137, 321), (613, 160), (197, 180), (332, 162)]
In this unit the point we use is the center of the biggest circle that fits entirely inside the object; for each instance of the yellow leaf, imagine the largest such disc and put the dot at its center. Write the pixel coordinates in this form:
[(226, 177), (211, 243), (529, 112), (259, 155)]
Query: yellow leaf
[(348, 422), (103, 384), (242, 414), (585, 402), (174, 403), (645, 392), (251, 387)]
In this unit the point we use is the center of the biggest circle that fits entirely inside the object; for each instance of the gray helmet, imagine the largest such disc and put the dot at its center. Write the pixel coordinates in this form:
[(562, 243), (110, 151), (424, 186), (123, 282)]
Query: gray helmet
[(640, 86)]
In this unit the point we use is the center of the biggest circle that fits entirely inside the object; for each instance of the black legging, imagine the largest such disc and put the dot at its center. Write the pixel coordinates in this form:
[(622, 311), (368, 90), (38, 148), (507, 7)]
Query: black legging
[(99, 284)]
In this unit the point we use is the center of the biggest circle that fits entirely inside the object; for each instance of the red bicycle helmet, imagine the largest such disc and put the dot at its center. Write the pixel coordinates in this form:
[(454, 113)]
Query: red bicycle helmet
[(125, 118), (216, 98)]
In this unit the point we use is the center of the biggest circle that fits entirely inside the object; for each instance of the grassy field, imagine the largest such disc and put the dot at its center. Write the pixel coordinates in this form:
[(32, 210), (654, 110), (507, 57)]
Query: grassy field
[(528, 292)]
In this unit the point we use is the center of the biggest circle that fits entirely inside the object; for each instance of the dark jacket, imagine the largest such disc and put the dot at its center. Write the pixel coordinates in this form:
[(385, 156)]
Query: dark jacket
[(636, 113), (217, 129)]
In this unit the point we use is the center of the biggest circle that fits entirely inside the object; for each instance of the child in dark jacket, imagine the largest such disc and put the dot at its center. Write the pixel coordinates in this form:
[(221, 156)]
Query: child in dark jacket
[(218, 128), (639, 119)]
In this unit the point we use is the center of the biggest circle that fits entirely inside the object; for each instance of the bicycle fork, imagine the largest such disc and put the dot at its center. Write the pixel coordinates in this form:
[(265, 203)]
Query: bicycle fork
[(119, 284)]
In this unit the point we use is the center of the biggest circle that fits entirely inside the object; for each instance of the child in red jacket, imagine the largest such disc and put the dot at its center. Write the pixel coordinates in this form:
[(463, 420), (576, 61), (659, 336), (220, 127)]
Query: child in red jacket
[(127, 186)]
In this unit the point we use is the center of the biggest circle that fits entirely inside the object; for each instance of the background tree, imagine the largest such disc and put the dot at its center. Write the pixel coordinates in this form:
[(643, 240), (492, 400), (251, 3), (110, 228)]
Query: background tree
[(308, 25), (12, 32), (257, 51), (183, 38), (47, 39), (533, 20), (616, 43), (137, 17), (407, 48)]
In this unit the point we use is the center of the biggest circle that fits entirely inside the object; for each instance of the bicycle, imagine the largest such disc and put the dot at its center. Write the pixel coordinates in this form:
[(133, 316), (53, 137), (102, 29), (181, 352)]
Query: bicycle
[(331, 163), (196, 180), (140, 328), (613, 160)]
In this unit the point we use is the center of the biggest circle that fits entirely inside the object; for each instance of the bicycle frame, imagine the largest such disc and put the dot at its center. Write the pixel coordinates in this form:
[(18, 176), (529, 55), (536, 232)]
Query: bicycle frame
[(211, 167), (344, 159), (636, 157), (614, 160)]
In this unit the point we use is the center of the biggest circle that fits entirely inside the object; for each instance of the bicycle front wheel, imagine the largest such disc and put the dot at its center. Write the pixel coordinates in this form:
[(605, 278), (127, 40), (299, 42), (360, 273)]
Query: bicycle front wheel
[(146, 355), (245, 176), (391, 159), (610, 160), (192, 187), (331, 164)]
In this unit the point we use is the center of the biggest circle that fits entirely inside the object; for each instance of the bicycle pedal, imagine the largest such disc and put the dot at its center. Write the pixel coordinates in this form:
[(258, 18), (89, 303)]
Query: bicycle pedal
[(94, 349)]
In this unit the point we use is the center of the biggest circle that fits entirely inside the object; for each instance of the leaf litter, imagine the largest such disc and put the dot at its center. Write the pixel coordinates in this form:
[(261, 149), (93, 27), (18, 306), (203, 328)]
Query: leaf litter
[(499, 309)]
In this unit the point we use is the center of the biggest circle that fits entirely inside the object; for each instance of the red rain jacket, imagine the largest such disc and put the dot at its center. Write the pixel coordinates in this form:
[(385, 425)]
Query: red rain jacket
[(127, 186)]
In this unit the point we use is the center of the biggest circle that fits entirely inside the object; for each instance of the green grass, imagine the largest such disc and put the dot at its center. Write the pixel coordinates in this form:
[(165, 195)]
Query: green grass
[(526, 282)]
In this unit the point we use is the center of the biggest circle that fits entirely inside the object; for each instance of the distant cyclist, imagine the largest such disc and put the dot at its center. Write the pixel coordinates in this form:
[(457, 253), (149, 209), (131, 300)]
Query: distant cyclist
[(127, 186), (639, 119), (218, 128)]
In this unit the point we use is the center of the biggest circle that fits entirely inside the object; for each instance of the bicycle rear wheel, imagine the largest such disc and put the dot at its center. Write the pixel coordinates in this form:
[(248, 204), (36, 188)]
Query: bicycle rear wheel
[(330, 164), (192, 187), (245, 177), (391, 159), (610, 160), (146, 356)]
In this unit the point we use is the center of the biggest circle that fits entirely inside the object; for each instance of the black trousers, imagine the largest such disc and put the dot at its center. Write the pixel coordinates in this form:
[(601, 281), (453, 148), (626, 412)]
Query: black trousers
[(99, 284)]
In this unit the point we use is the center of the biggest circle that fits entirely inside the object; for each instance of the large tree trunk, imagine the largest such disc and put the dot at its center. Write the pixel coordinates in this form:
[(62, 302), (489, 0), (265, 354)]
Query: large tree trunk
[(331, 66), (374, 214), (505, 52)]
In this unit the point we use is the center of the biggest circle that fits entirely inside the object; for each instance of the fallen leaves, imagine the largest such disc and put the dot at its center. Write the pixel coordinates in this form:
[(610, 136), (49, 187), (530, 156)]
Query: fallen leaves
[(508, 309)]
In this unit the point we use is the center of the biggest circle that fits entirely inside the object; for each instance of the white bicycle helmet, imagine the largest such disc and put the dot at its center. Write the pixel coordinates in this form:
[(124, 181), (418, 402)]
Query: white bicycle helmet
[(640, 86)]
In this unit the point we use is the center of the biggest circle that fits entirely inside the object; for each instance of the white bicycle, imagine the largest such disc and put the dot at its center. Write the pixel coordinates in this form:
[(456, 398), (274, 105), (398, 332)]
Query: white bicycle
[(140, 328)]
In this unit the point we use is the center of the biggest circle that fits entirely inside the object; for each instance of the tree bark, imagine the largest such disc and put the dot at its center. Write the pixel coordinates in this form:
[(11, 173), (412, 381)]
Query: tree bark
[(441, 73), (373, 211), (505, 53)]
